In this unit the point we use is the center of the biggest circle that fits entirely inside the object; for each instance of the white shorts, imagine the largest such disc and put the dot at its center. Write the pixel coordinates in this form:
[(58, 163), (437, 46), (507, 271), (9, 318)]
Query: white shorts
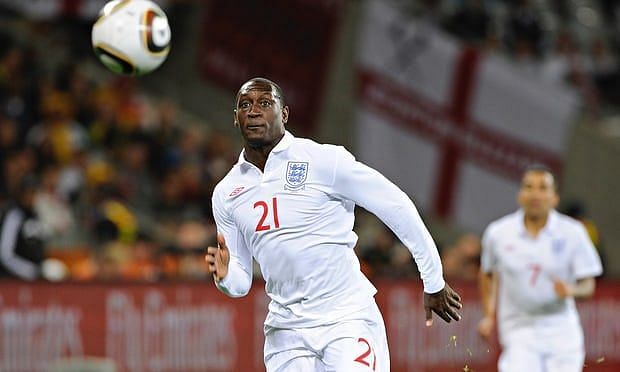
[(351, 345), (531, 351)]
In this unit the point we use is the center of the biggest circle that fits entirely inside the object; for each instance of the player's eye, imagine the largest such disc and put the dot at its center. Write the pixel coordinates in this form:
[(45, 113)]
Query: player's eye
[(266, 103), (244, 105)]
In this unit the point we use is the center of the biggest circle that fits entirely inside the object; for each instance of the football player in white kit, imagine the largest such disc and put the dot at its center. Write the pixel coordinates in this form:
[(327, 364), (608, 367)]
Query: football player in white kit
[(537, 261), (288, 203)]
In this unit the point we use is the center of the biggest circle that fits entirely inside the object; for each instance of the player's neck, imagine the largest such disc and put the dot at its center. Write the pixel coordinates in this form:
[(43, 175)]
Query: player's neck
[(534, 224), (257, 154)]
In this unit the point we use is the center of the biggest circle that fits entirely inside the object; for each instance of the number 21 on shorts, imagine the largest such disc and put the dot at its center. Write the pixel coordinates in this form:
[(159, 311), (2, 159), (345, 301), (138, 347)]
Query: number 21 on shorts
[(367, 357), (263, 224)]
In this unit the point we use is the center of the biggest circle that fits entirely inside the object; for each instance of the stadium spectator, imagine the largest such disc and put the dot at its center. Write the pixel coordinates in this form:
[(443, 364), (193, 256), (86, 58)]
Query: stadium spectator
[(22, 240), (289, 204), (471, 22), (387, 257), (535, 263), (604, 71), (461, 261), (53, 211), (523, 30)]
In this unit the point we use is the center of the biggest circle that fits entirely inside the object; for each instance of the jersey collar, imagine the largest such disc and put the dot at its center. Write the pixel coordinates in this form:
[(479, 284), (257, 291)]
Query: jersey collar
[(284, 144), (550, 226)]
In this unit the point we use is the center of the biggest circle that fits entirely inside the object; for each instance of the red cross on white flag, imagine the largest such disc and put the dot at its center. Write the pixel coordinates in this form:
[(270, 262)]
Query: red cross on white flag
[(452, 126)]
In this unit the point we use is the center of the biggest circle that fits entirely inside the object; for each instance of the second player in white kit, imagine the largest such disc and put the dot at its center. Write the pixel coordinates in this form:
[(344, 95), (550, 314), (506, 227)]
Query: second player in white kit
[(289, 203), (540, 260)]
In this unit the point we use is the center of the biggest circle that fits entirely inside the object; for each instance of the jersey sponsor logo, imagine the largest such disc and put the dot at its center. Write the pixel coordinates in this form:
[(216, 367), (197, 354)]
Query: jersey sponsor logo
[(296, 175), (236, 191)]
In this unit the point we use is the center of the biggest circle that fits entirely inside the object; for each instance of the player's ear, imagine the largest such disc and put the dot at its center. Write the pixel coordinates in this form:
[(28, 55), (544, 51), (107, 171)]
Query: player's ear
[(285, 114), (556, 200), (235, 121)]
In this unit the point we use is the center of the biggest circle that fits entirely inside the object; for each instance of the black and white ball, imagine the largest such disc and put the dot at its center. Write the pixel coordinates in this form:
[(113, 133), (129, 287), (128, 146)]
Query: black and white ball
[(131, 36)]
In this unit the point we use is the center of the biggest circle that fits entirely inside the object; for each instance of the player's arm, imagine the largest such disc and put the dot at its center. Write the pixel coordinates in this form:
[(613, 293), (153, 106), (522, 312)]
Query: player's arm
[(372, 191), (487, 286), (586, 264), (230, 262), (582, 289)]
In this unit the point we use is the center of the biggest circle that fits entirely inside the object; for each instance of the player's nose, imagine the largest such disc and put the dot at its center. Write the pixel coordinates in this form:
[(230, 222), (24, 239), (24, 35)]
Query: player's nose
[(255, 110)]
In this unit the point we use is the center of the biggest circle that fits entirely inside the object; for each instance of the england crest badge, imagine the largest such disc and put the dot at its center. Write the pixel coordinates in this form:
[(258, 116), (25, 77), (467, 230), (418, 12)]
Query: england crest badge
[(557, 246), (296, 174)]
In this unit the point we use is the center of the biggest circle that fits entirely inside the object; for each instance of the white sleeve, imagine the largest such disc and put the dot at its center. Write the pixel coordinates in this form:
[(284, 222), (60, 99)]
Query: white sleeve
[(238, 281), (586, 261), (487, 256), (372, 191), (19, 266)]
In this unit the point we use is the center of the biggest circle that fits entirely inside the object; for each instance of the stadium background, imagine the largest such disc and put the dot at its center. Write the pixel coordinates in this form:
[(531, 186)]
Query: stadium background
[(448, 100)]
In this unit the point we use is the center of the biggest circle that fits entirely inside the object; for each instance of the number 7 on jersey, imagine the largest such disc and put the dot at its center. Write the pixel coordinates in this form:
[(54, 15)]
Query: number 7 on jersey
[(261, 226)]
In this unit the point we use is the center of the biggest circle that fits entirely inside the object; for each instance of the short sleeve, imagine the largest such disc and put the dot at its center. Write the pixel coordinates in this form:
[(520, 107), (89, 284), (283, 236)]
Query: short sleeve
[(586, 260), (488, 260)]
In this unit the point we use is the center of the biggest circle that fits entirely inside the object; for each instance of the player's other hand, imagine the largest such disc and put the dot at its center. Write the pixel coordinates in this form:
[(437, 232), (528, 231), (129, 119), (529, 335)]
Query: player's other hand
[(485, 327), (443, 303), (562, 289), (217, 259)]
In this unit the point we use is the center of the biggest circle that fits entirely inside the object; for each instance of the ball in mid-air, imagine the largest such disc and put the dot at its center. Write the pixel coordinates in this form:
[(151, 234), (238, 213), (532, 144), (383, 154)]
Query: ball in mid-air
[(131, 36)]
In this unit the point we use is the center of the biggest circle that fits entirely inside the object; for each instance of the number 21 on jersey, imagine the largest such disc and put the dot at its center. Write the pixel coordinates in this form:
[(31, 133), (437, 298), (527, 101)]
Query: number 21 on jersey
[(270, 211)]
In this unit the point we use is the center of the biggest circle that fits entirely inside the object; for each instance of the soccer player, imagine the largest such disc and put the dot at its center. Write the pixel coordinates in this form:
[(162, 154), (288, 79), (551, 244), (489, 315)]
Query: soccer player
[(289, 203), (538, 261)]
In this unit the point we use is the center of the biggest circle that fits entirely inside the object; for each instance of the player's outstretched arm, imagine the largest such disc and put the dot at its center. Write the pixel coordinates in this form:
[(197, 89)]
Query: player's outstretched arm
[(218, 258), (487, 283), (444, 303)]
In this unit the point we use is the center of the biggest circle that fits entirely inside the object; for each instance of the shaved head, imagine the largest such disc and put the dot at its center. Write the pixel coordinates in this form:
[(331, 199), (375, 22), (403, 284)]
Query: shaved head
[(263, 85)]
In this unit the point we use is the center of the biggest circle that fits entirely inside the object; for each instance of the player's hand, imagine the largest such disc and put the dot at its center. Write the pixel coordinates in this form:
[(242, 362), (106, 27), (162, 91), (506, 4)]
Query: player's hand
[(562, 289), (443, 303), (485, 327), (217, 259)]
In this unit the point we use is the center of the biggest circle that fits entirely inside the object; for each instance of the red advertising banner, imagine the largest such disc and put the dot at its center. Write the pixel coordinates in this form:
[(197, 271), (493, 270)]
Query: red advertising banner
[(287, 41), (193, 327)]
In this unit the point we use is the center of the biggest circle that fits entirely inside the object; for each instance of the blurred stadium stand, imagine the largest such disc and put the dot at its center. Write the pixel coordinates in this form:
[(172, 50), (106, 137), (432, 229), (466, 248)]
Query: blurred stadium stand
[(127, 165)]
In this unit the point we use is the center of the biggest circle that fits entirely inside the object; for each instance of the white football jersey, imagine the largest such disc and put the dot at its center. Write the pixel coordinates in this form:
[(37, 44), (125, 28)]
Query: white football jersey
[(526, 267), (296, 220)]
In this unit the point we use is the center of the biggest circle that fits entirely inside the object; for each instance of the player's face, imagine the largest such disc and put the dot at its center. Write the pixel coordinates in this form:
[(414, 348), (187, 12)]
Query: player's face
[(537, 195), (259, 113)]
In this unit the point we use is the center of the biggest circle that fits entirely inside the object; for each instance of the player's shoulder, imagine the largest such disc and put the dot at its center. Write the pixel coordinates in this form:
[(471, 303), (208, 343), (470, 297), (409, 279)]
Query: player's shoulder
[(502, 224), (566, 224), (227, 183), (321, 150)]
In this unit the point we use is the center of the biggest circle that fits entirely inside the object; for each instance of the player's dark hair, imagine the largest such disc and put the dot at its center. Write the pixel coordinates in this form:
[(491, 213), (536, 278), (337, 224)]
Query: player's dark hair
[(278, 90), (541, 168), (261, 80)]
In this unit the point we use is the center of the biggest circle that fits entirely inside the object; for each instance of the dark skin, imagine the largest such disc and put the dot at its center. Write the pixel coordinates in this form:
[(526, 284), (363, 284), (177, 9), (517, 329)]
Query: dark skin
[(260, 117), (260, 114)]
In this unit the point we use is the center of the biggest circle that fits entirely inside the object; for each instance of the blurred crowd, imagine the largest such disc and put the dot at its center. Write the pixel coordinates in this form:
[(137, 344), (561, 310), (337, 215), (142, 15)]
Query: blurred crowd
[(120, 181), (560, 41)]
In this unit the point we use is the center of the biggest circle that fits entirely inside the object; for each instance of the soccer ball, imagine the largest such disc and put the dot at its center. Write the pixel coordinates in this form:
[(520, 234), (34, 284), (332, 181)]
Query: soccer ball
[(131, 36)]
